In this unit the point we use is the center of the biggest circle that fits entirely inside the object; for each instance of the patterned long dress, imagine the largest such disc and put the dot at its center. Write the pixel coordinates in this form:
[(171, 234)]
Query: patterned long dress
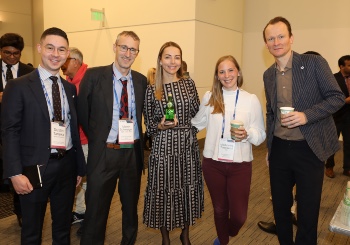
[(174, 192)]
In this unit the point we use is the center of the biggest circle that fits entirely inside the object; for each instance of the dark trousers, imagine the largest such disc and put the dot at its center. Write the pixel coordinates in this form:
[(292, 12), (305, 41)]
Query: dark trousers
[(113, 165), (59, 180), (229, 187), (293, 162), (343, 127)]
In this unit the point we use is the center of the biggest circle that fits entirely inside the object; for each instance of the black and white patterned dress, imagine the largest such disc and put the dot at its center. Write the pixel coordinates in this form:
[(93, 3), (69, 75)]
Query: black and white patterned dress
[(174, 192)]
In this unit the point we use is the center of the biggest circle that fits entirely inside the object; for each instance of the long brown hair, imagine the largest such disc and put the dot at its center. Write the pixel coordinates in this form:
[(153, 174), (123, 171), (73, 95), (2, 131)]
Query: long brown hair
[(159, 70), (216, 99)]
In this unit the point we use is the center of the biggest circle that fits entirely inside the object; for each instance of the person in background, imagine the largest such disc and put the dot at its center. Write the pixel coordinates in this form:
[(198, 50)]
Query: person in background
[(174, 192), (150, 82), (342, 117), (186, 74), (34, 106), (112, 96), (74, 69), (228, 172), (11, 46), (300, 141)]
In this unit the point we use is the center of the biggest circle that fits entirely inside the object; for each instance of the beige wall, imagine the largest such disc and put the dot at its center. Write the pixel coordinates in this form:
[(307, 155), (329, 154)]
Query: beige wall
[(218, 28), (155, 22), (16, 16), (38, 27)]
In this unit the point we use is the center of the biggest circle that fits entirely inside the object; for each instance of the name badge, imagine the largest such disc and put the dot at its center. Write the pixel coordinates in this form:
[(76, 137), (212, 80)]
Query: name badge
[(226, 150), (58, 135), (126, 133)]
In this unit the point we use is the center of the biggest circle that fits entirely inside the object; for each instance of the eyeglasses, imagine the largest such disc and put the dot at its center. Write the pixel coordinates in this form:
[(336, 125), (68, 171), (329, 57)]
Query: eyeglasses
[(51, 49), (124, 48), (8, 53)]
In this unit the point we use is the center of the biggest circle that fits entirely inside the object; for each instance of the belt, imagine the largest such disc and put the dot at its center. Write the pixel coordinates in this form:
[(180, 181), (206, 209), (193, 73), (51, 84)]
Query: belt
[(116, 146), (58, 156)]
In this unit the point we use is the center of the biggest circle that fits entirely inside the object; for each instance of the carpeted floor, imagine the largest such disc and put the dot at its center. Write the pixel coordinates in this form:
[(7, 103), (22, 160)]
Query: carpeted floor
[(6, 205)]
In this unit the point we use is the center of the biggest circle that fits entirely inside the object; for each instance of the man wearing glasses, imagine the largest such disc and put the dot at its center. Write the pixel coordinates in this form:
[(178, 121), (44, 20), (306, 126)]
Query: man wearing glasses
[(110, 106), (42, 152), (11, 45)]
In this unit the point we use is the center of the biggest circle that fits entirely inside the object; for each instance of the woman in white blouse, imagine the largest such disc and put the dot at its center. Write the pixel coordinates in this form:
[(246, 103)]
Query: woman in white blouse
[(227, 163)]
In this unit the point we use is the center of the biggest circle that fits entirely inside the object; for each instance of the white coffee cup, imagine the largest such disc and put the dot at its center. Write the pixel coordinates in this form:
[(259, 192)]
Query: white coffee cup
[(286, 109), (236, 124)]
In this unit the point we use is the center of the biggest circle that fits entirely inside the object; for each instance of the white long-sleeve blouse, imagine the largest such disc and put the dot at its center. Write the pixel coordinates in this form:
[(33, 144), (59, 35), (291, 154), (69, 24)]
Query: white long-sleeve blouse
[(248, 111)]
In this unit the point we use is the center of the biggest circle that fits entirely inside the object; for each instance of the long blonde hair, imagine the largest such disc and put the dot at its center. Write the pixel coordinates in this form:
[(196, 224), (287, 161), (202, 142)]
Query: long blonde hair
[(151, 75), (216, 99), (159, 70)]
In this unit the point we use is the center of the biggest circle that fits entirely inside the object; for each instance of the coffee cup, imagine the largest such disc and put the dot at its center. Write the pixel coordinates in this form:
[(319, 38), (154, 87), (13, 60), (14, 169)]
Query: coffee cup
[(235, 124), (286, 109)]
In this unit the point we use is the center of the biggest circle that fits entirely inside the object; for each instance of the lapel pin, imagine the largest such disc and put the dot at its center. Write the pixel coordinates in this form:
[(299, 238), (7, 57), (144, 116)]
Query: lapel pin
[(302, 67)]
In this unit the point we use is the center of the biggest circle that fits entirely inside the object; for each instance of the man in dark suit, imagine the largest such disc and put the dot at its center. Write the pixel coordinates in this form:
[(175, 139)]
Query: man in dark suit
[(102, 109), (11, 45), (35, 107), (342, 117), (300, 141)]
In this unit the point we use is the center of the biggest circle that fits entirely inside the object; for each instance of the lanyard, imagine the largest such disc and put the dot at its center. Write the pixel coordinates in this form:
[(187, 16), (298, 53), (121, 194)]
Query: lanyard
[(49, 102), (3, 74), (234, 114), (132, 108)]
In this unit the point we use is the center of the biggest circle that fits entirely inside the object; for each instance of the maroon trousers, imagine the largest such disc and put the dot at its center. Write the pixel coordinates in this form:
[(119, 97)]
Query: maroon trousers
[(229, 187)]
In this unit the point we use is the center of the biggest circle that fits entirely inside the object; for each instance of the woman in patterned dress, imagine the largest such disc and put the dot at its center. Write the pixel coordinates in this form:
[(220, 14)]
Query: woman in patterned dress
[(174, 192)]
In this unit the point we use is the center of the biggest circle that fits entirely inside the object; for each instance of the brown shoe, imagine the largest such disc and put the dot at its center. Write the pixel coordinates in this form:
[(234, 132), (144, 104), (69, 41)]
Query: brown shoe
[(346, 172), (330, 174)]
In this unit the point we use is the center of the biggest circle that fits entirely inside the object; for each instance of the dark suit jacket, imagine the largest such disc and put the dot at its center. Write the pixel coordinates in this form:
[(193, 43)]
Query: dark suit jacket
[(95, 109), (345, 110), (26, 125), (23, 69), (317, 94)]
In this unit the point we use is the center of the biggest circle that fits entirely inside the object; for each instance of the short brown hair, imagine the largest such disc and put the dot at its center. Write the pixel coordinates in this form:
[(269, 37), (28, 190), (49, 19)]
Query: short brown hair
[(128, 34), (275, 21)]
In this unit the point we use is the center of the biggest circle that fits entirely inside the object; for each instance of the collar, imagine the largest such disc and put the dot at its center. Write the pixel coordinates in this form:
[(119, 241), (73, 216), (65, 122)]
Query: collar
[(288, 65), (44, 74), (14, 67), (118, 75)]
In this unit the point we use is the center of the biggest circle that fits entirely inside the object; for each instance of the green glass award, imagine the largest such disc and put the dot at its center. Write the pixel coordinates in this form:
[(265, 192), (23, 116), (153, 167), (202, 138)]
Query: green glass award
[(169, 110)]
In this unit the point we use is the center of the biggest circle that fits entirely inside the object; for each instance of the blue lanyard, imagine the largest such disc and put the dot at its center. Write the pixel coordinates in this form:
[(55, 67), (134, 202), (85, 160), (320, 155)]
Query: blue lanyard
[(3, 74), (132, 107), (234, 115), (52, 115)]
